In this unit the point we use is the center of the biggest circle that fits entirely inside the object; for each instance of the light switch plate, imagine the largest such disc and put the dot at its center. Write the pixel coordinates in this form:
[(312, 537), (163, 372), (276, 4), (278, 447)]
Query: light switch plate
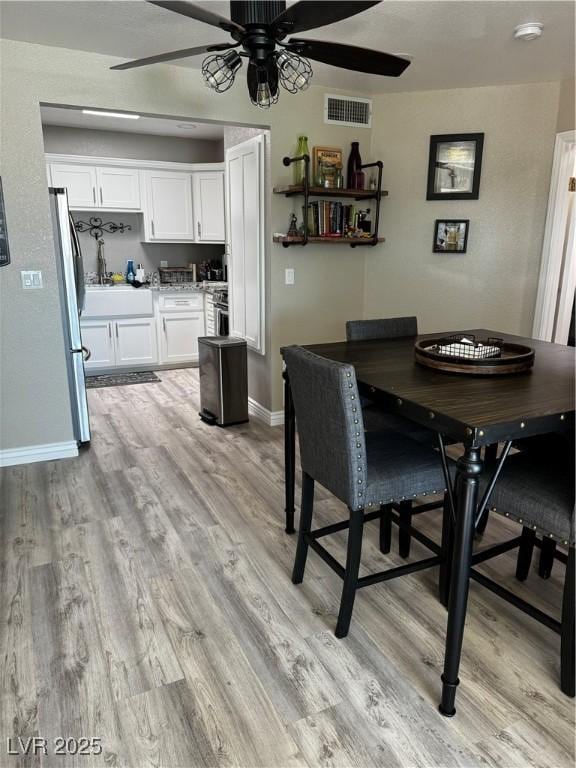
[(289, 276), (31, 278)]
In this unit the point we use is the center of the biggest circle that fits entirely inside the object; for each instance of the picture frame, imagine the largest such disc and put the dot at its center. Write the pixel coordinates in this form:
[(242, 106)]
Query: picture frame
[(4, 247), (327, 155), (455, 166), (450, 235)]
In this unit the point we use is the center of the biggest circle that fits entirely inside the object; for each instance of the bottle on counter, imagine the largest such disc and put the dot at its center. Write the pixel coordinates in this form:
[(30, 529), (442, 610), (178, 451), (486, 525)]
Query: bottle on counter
[(140, 274), (130, 274)]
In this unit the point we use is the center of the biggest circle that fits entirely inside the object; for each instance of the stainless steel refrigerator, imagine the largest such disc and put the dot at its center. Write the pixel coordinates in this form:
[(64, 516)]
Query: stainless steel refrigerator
[(71, 281)]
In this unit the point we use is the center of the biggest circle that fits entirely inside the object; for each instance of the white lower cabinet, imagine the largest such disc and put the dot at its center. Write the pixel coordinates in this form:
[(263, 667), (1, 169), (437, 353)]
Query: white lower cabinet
[(120, 343), (97, 337), (136, 341), (179, 332)]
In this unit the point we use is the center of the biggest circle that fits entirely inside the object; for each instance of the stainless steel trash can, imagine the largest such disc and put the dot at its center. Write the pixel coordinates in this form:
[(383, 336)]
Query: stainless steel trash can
[(223, 380)]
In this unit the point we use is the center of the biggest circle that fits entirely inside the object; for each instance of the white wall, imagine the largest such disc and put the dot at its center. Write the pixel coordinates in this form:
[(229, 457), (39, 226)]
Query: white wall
[(493, 285)]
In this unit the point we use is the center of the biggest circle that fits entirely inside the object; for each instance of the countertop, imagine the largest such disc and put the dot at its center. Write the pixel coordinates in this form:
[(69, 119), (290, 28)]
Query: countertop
[(173, 288)]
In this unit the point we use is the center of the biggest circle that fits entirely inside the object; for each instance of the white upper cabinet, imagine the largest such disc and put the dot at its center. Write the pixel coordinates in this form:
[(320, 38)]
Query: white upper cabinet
[(118, 188), (209, 207), (168, 214), (98, 187), (79, 181)]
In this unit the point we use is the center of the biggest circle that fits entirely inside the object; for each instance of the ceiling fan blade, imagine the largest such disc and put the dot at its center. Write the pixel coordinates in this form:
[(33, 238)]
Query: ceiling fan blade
[(350, 57), (200, 14), (173, 55), (309, 15)]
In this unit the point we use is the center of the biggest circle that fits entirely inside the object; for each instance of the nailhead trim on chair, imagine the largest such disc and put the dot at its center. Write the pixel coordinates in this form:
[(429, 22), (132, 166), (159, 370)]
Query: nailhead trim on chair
[(536, 528)]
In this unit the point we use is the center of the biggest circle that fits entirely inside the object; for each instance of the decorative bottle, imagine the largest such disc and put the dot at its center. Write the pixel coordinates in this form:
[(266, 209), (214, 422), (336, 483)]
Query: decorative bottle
[(130, 274), (299, 167), (354, 163)]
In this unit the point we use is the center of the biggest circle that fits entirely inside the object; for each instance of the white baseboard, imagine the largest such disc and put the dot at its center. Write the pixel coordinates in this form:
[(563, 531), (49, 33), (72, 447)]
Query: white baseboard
[(31, 453), (272, 418)]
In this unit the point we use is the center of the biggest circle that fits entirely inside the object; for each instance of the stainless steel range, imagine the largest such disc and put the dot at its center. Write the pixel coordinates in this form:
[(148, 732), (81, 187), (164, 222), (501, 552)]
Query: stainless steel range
[(221, 308)]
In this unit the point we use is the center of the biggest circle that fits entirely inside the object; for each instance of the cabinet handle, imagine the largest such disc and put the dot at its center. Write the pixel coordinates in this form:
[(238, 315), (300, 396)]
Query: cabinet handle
[(101, 196), (199, 230), (109, 330), (116, 330), (152, 223), (94, 195), (164, 324), (182, 301)]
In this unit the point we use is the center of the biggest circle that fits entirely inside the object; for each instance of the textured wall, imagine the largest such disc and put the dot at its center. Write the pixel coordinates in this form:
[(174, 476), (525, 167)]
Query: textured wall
[(494, 283), (566, 108), (329, 279), (137, 146)]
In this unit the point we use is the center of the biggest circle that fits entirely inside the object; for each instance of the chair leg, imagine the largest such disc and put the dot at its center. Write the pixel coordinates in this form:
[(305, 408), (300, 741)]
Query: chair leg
[(483, 522), (404, 536), (447, 538), (525, 553), (306, 510), (567, 645), (385, 528), (351, 574), (547, 552)]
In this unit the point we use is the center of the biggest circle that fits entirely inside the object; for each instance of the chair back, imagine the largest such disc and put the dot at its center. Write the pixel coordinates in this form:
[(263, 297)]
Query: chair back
[(381, 328), (329, 422)]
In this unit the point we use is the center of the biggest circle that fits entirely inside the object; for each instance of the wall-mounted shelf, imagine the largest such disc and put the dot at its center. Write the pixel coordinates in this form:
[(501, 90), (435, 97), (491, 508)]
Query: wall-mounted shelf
[(287, 240), (306, 191), (357, 194)]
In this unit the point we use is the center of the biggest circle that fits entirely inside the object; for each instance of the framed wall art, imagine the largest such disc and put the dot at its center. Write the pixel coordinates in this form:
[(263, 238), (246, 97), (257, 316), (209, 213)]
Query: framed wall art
[(450, 235), (4, 249), (454, 166)]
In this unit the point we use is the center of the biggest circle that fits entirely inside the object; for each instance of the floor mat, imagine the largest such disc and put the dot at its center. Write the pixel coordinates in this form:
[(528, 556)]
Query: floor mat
[(122, 379)]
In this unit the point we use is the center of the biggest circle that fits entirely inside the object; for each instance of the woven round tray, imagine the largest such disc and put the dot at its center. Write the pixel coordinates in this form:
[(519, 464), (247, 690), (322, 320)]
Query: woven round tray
[(514, 358)]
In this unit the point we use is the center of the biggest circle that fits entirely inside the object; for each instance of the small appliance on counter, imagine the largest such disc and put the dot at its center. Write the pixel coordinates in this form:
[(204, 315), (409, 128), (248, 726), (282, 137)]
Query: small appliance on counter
[(223, 380)]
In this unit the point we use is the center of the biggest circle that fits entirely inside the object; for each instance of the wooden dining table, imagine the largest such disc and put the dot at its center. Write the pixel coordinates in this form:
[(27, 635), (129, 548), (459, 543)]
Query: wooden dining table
[(473, 410)]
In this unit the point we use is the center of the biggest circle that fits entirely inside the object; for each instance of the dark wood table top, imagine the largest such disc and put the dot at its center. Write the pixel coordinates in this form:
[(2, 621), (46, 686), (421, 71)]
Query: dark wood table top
[(474, 409)]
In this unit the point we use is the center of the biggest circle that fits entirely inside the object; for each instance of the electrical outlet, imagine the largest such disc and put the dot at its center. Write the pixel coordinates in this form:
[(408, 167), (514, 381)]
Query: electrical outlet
[(163, 264), (289, 276), (31, 278)]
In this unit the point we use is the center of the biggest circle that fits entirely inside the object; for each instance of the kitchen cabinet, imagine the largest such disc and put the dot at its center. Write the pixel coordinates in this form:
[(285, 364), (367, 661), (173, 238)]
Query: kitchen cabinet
[(79, 181), (120, 343), (97, 337), (135, 340), (92, 187), (168, 213), (179, 332), (118, 188), (209, 207)]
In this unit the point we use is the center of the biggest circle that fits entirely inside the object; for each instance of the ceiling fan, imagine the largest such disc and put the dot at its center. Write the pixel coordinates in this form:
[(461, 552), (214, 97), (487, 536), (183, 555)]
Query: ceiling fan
[(259, 28)]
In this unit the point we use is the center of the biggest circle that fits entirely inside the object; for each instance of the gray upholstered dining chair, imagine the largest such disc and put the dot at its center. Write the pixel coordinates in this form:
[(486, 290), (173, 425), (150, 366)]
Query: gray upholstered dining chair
[(363, 470), (375, 418), (537, 492)]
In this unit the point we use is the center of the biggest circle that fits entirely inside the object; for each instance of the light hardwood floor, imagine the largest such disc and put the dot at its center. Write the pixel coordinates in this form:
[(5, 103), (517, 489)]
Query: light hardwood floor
[(146, 599)]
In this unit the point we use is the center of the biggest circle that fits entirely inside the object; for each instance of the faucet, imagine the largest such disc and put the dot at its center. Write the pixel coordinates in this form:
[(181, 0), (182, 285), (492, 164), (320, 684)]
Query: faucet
[(103, 278)]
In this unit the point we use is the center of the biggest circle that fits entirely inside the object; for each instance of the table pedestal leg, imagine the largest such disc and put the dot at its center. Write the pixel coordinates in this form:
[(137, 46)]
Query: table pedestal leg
[(289, 454), (469, 469)]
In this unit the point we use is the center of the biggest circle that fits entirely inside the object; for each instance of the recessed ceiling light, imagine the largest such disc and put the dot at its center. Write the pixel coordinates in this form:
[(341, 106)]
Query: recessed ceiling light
[(124, 115), (187, 126), (529, 31)]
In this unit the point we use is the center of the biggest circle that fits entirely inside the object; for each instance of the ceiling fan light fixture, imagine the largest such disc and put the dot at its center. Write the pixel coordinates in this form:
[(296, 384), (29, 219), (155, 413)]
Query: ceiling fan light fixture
[(294, 71), (219, 71), (263, 83)]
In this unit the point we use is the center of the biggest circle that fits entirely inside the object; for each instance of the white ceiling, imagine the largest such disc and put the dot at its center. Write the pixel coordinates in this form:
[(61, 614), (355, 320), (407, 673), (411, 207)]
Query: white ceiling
[(452, 43), (157, 126)]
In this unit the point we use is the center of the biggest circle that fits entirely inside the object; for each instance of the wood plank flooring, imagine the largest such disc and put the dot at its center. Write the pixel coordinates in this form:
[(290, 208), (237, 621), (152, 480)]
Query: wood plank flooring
[(146, 599)]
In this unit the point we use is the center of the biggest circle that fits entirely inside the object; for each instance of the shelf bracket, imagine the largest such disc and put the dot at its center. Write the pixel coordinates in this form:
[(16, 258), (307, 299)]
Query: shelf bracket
[(287, 161)]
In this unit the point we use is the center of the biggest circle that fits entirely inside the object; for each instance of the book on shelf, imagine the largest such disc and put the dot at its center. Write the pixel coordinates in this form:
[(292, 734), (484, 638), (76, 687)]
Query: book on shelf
[(328, 218)]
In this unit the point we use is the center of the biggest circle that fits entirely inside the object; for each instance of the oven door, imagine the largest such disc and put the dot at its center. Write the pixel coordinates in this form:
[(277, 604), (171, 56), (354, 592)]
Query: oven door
[(221, 321)]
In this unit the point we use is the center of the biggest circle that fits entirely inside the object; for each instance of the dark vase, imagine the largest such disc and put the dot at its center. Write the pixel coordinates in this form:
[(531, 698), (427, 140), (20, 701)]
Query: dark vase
[(354, 163)]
